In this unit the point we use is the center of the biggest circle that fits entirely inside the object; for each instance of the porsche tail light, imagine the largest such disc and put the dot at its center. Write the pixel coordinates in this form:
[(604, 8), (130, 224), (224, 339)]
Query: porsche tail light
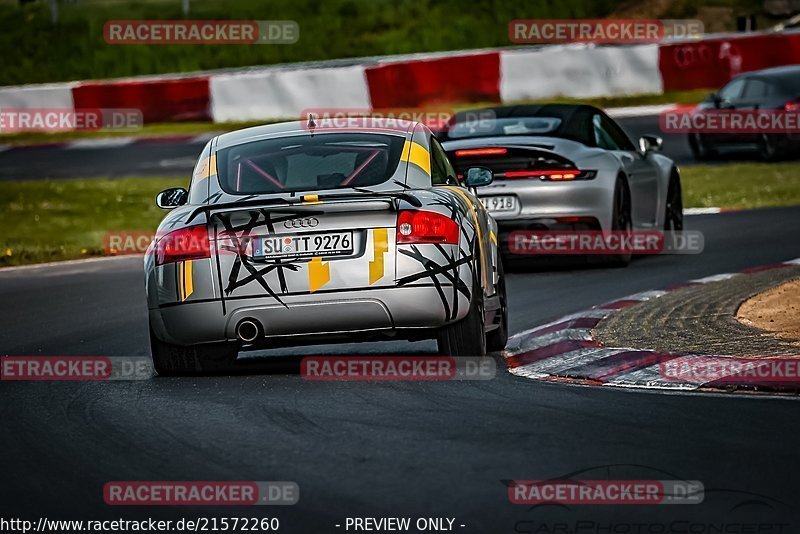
[(419, 226), (190, 243), (791, 106), (473, 152), (550, 175)]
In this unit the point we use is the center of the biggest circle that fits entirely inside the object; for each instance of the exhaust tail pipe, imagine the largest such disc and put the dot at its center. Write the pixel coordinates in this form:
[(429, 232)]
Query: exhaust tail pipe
[(247, 330)]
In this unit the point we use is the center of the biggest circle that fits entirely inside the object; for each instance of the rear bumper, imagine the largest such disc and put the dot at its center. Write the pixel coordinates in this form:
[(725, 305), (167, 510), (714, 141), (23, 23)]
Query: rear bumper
[(385, 309), (547, 205)]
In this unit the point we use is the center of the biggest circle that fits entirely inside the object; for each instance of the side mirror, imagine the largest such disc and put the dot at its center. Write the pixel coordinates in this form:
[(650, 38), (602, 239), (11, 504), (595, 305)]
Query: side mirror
[(714, 98), (172, 198), (650, 143), (478, 176)]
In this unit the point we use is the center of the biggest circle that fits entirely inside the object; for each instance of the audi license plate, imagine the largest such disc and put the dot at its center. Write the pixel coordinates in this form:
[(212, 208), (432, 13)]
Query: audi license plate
[(304, 245), (500, 203)]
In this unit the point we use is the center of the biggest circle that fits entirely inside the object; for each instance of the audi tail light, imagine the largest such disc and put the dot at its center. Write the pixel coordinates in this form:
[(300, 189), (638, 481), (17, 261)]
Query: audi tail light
[(475, 152), (419, 226), (191, 243), (549, 175)]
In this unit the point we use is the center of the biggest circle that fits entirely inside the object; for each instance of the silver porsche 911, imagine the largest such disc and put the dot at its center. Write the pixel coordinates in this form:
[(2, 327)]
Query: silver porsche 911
[(566, 167), (300, 233)]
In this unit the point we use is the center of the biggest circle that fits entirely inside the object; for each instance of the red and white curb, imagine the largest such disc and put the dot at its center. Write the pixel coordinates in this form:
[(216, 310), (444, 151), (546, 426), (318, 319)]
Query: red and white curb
[(564, 350)]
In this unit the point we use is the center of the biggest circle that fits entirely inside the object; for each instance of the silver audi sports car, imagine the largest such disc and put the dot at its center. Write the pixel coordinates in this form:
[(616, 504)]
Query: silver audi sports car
[(566, 167), (307, 232)]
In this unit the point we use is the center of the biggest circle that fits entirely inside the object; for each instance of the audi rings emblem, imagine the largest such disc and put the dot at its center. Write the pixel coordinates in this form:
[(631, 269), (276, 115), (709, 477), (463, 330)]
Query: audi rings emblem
[(306, 222)]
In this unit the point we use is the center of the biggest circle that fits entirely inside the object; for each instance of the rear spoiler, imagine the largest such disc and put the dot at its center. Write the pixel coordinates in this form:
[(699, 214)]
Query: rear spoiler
[(305, 200), (541, 151)]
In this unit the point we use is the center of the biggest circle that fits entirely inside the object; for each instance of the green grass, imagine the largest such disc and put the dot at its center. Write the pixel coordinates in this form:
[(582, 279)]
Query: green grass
[(66, 219), (330, 29), (36, 50), (741, 185)]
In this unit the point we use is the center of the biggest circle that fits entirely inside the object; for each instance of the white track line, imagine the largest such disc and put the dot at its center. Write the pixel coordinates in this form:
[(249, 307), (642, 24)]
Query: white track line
[(701, 211), (108, 142)]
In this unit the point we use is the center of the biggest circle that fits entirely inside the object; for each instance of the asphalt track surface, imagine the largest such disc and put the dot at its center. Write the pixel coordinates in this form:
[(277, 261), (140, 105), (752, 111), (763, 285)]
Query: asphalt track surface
[(380, 449), (414, 449), (164, 158)]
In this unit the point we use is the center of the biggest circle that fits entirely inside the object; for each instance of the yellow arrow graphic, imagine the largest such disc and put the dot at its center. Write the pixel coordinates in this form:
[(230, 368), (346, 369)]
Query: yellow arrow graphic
[(319, 273), (380, 246)]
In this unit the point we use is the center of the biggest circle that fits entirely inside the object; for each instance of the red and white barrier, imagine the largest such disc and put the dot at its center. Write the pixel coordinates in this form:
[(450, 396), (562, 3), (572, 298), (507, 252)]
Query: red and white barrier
[(159, 99), (712, 62), (507, 75), (471, 77), (579, 71), (275, 94), (50, 96)]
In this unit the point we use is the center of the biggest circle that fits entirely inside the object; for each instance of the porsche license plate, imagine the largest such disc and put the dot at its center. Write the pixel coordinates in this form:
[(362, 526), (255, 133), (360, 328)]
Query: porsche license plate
[(304, 245), (500, 203)]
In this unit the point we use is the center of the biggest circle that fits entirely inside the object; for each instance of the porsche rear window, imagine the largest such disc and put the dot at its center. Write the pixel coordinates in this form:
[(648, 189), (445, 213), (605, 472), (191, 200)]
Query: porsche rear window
[(309, 163), (505, 126)]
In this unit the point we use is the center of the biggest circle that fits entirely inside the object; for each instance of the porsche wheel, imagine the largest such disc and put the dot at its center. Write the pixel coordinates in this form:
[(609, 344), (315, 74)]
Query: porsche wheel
[(768, 149), (673, 214), (621, 220)]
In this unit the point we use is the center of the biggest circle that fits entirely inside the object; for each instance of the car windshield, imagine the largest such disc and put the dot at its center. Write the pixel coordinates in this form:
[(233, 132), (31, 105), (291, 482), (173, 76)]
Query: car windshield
[(309, 162), (505, 126)]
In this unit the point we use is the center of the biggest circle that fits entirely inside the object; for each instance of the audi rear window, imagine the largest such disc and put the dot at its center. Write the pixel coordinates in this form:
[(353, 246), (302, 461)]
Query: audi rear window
[(309, 163)]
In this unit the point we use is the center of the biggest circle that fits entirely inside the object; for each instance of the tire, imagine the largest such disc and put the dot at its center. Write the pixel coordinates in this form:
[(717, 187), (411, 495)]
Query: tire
[(496, 339), (177, 360), (768, 149), (700, 150), (466, 337), (620, 220), (673, 212)]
